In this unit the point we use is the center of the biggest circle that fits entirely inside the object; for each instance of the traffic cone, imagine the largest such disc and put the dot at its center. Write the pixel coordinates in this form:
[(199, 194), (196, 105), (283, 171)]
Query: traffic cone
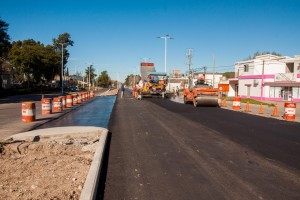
[(275, 112), (247, 107), (260, 109), (224, 103)]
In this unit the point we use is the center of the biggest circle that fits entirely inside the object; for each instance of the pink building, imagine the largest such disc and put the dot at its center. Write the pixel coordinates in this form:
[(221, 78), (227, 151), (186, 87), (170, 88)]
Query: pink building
[(268, 77)]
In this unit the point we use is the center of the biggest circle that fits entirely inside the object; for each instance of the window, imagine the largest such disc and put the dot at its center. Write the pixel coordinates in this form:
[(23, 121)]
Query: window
[(296, 92), (246, 68), (276, 92)]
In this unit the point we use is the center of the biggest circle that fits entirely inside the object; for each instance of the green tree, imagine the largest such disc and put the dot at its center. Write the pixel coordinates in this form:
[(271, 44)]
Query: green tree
[(131, 80), (61, 44), (51, 63), (229, 74), (104, 80), (32, 59), (263, 53), (22, 57), (4, 45), (90, 73)]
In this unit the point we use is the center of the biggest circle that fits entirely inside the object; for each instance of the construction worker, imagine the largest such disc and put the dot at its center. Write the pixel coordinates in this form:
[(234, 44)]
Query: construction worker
[(200, 80), (122, 90)]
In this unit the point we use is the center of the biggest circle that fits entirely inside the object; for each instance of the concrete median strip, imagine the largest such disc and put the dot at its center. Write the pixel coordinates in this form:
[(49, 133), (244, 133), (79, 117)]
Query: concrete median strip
[(57, 134)]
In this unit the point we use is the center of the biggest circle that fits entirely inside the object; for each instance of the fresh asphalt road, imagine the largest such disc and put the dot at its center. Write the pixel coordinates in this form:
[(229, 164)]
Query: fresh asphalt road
[(160, 149)]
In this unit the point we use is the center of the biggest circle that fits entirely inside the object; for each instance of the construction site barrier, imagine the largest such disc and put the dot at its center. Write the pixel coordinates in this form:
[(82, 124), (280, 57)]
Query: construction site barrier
[(92, 94), (57, 107), (46, 106), (275, 112), (236, 105), (289, 111), (247, 109), (63, 102), (69, 101), (74, 99), (79, 98), (220, 99), (83, 97), (28, 111)]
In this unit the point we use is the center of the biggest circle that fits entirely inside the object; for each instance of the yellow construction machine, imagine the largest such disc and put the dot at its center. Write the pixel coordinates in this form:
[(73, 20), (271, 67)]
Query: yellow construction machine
[(155, 85)]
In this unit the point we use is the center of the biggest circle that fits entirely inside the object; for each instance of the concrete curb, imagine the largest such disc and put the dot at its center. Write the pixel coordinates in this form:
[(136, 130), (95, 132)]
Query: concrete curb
[(89, 191)]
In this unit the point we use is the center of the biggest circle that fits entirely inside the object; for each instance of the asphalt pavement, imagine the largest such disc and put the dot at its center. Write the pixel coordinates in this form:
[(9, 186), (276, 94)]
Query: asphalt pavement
[(161, 149)]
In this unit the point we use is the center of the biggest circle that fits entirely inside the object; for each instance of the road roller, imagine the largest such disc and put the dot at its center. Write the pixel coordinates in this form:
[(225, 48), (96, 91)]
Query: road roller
[(201, 94)]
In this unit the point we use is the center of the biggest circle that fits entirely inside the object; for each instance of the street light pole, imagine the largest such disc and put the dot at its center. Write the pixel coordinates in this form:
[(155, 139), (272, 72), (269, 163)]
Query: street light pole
[(62, 67), (90, 78), (166, 37)]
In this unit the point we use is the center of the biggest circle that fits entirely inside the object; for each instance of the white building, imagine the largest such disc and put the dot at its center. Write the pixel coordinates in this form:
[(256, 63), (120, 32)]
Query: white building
[(212, 79), (268, 77)]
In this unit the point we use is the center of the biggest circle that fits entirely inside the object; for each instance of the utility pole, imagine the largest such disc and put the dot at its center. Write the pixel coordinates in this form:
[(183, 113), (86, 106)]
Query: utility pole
[(262, 80), (90, 77), (62, 67), (189, 55), (213, 84)]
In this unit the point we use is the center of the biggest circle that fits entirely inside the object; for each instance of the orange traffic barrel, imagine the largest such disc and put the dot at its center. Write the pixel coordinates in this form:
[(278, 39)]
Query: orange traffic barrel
[(92, 94), (74, 99), (236, 105), (83, 96), (69, 101), (79, 98), (28, 111), (63, 102), (289, 111), (46, 106), (220, 99), (57, 107)]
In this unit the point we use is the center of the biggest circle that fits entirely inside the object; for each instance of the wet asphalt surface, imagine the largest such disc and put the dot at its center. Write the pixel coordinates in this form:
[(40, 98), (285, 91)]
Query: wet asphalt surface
[(94, 113)]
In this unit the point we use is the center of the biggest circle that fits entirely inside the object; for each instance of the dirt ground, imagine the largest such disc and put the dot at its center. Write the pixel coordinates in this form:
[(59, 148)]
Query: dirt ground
[(50, 169)]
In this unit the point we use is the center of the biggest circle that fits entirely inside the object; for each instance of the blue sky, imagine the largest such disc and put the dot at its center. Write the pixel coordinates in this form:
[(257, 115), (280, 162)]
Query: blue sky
[(116, 35)]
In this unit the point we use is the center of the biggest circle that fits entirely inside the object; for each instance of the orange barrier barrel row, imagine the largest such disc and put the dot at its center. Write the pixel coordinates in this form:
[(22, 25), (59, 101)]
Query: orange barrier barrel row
[(57, 107), (289, 111), (46, 106), (69, 101), (236, 105), (28, 112)]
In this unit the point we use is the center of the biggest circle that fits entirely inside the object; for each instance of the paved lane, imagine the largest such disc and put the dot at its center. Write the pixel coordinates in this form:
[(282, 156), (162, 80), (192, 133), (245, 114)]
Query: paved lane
[(94, 113), (164, 150), (274, 139)]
